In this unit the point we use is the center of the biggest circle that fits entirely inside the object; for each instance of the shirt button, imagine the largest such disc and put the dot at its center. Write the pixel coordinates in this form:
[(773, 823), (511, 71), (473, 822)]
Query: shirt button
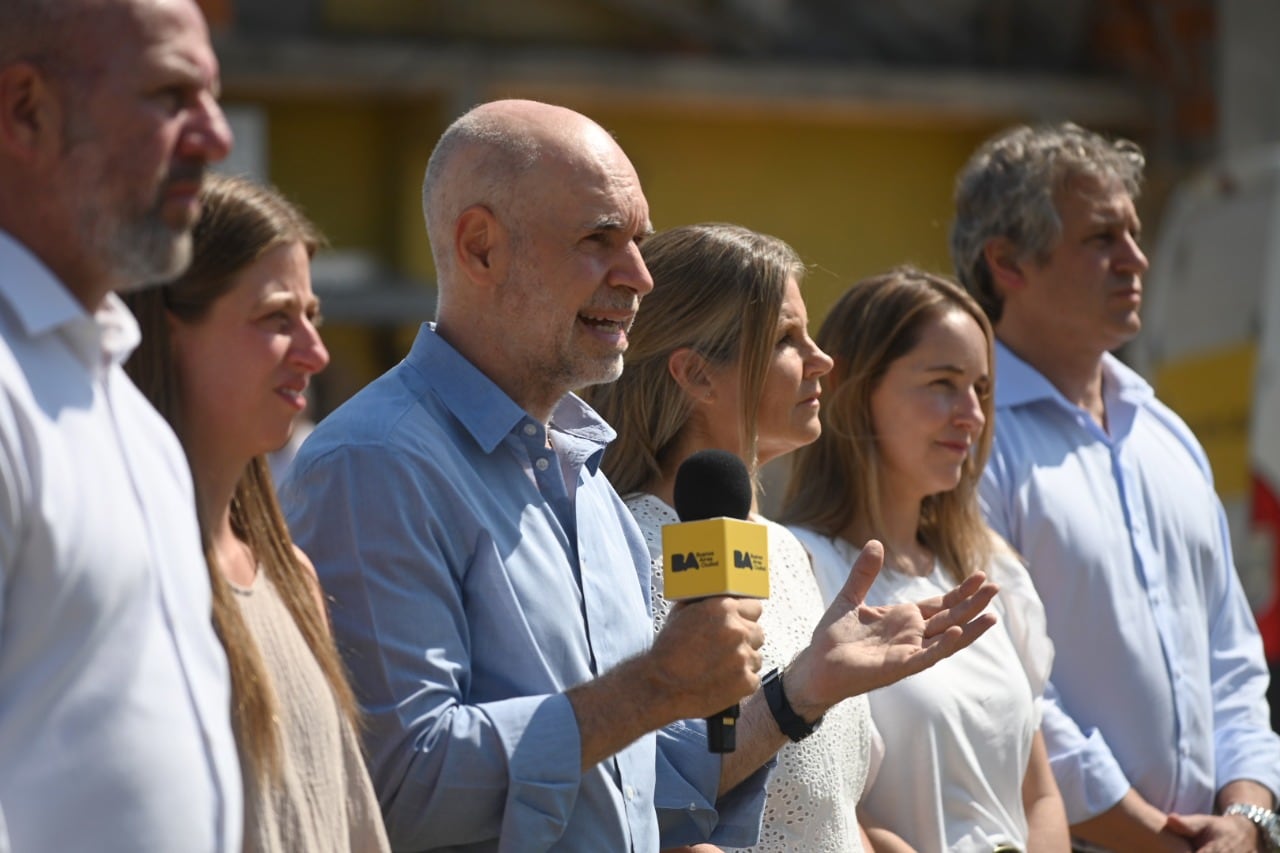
[(542, 464), (530, 430), (630, 791)]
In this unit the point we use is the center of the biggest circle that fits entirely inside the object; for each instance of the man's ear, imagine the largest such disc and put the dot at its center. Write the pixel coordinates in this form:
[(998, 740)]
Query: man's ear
[(1006, 266), (480, 245), (688, 368), (31, 116)]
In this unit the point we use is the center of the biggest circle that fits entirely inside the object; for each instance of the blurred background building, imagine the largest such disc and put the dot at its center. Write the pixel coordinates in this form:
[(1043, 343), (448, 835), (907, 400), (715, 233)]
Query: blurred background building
[(837, 125)]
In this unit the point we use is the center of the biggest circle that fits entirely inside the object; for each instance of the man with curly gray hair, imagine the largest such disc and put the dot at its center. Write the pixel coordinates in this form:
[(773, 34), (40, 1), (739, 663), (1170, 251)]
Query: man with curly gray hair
[(1156, 719)]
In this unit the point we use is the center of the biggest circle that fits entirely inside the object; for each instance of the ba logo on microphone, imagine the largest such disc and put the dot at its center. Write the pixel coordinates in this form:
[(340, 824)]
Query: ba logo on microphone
[(745, 560), (684, 562)]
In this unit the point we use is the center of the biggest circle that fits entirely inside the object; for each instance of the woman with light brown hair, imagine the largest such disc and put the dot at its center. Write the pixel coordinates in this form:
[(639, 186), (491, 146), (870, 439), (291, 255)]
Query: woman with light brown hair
[(720, 358), (906, 428), (228, 351)]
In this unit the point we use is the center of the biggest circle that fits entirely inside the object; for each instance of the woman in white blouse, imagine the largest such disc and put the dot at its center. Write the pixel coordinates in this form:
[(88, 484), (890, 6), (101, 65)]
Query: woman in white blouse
[(720, 357), (905, 434)]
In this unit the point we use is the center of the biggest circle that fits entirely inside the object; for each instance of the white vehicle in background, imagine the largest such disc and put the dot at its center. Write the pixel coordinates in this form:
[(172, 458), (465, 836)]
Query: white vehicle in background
[(1210, 345)]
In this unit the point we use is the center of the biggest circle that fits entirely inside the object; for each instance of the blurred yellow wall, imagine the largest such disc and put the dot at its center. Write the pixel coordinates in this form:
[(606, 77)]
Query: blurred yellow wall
[(852, 198)]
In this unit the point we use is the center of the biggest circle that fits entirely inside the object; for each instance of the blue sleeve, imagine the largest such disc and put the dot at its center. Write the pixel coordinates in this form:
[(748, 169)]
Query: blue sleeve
[(688, 778), (14, 495), (376, 522), (1088, 774), (1245, 747)]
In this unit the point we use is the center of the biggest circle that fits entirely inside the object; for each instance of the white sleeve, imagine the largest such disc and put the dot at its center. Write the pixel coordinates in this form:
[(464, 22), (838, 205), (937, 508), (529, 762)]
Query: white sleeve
[(1020, 608)]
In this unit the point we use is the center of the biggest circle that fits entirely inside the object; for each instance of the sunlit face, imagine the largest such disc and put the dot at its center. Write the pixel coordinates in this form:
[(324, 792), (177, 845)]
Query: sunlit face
[(787, 417), (139, 136), (244, 367), (576, 275), (926, 410), (1089, 290)]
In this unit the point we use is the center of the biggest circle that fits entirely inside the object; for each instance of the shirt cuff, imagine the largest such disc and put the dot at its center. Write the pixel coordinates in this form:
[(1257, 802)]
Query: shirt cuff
[(1090, 779), (544, 763), (688, 781)]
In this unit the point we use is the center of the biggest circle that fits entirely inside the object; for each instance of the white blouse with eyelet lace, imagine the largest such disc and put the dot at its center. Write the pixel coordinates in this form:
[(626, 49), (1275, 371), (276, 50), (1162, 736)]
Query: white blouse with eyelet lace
[(812, 797)]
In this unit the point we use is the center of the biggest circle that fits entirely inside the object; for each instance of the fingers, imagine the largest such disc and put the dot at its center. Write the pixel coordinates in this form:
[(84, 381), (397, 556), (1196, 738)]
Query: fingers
[(709, 652), (961, 605), (864, 572), (748, 608), (966, 589), (1188, 826), (953, 639)]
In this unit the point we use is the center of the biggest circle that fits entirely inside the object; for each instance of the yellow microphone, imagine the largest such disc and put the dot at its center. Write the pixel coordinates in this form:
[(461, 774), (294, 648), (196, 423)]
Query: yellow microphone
[(714, 550)]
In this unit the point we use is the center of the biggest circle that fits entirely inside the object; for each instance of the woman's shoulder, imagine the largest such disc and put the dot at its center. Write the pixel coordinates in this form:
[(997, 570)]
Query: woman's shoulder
[(304, 561), (1021, 611), (650, 512), (1008, 568)]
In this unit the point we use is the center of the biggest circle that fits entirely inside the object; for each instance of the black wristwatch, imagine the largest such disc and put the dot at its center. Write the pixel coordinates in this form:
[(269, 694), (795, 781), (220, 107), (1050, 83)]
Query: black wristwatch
[(789, 722), (1267, 821)]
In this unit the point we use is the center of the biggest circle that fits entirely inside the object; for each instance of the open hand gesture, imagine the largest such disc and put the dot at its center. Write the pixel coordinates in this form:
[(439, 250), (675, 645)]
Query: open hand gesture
[(857, 648)]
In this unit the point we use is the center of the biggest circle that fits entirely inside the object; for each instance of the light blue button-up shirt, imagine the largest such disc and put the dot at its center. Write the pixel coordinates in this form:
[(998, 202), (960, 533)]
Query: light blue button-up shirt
[(470, 588), (115, 724), (1159, 681)]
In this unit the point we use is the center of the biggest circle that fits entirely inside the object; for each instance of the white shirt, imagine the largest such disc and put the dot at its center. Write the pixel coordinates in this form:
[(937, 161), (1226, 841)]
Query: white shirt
[(114, 695), (956, 737), (1159, 682), (812, 797)]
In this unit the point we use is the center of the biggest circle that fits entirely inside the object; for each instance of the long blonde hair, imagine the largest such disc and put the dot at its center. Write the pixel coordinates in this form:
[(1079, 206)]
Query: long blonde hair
[(240, 221), (717, 289), (835, 481)]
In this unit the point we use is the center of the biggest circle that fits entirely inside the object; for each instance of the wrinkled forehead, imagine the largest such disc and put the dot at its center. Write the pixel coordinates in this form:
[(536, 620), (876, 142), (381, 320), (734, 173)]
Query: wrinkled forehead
[(1099, 196), (591, 172)]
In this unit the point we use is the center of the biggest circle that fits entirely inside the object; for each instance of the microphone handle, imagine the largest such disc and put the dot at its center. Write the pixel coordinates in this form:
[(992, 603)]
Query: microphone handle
[(722, 730)]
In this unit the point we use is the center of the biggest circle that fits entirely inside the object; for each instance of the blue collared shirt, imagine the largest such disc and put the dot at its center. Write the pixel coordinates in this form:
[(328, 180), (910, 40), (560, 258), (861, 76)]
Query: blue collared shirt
[(1159, 681), (115, 728), (470, 588)]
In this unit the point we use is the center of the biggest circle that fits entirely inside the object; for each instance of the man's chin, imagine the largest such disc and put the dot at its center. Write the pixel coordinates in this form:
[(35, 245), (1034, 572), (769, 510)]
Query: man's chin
[(158, 259), (603, 374)]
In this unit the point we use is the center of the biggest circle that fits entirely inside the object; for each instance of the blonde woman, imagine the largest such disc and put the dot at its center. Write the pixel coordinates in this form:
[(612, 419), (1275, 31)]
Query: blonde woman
[(720, 358)]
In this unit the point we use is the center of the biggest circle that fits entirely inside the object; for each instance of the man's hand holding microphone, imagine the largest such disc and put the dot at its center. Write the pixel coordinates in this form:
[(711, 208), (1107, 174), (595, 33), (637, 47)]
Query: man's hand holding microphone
[(706, 658)]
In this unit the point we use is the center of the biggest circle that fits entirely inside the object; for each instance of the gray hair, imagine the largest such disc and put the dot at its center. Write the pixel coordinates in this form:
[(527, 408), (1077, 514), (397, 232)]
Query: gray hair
[(503, 154), (1008, 188)]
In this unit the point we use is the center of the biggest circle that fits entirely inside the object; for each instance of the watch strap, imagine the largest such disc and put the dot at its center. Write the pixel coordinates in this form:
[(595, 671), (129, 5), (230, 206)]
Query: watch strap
[(789, 722), (1267, 821)]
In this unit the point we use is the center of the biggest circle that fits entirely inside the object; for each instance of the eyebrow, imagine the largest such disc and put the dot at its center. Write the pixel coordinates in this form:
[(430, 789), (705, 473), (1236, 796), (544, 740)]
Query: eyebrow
[(943, 368), (613, 222), (280, 298), (1113, 214)]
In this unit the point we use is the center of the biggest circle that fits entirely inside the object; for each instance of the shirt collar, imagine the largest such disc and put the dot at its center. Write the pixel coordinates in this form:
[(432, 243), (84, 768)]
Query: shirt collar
[(42, 304), (1019, 384), (484, 409)]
